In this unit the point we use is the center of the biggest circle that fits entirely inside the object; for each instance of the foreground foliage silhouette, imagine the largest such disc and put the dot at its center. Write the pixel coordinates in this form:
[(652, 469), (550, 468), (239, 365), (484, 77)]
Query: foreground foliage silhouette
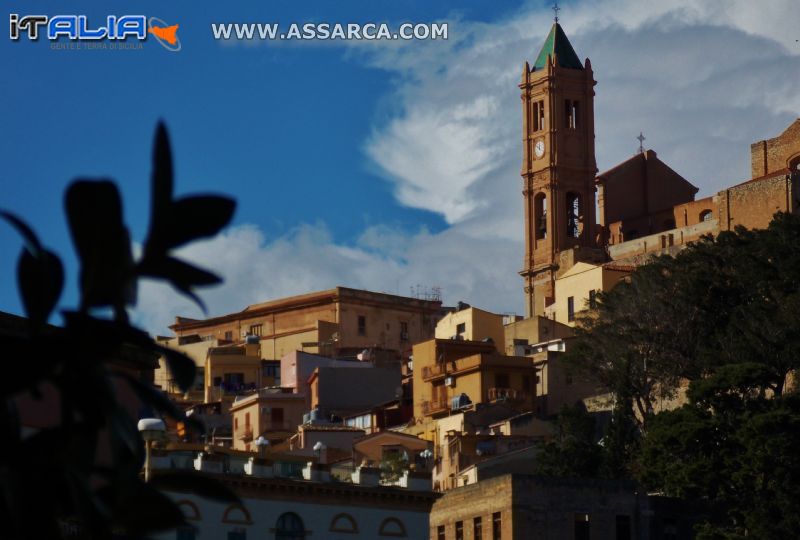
[(85, 469), (723, 315)]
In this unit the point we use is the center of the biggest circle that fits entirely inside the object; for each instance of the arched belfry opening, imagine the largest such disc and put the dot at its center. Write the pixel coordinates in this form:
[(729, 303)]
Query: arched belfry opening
[(574, 215), (540, 216)]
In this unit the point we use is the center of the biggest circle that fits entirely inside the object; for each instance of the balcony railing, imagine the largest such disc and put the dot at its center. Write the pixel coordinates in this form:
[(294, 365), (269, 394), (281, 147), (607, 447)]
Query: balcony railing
[(507, 394), (430, 372), (435, 405), (245, 433)]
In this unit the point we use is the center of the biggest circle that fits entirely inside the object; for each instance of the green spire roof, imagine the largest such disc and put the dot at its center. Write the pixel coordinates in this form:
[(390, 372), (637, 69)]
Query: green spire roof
[(558, 44)]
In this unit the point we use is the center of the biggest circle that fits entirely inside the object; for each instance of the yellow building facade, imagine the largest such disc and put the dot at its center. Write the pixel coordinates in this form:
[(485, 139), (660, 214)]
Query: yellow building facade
[(577, 288), (446, 369), (472, 324)]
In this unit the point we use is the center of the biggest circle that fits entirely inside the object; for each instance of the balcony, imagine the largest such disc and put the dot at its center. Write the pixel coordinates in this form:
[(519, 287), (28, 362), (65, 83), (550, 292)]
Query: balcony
[(435, 406), (245, 434), (434, 371), (507, 394)]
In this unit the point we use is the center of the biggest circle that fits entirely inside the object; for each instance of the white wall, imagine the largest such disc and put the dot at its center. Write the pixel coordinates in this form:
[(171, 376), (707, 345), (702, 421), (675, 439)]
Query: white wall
[(316, 518)]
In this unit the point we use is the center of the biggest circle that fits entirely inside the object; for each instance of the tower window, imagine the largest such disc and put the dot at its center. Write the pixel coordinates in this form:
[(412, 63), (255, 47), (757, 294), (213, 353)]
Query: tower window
[(362, 325), (572, 109), (574, 217), (497, 526), (582, 527), (477, 528), (540, 216), (538, 116), (706, 215), (571, 308)]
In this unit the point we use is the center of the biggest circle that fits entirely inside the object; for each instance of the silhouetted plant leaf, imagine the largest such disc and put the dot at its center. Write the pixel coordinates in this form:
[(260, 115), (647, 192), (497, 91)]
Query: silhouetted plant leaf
[(160, 401), (197, 217), (40, 274), (190, 481), (181, 366), (182, 275), (143, 508), (42, 356), (31, 240), (94, 212), (41, 280)]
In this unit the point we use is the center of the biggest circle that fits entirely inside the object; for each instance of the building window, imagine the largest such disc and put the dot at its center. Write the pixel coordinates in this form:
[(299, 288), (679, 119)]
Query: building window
[(228, 335), (623, 528), (497, 526), (501, 380), (392, 527), (670, 529), (572, 110), (461, 328), (276, 418), (571, 308), (592, 299), (200, 378), (440, 532), (403, 331), (477, 528), (233, 382), (343, 523), (706, 215), (459, 530), (289, 527), (362, 325), (538, 115), (190, 510), (540, 216), (256, 330), (582, 529)]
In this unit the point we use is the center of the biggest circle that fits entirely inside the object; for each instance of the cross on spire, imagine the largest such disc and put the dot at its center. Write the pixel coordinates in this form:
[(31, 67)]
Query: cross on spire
[(556, 9), (641, 138)]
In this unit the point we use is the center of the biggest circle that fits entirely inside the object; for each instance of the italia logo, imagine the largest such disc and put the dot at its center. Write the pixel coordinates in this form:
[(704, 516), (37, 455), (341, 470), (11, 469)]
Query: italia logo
[(77, 28)]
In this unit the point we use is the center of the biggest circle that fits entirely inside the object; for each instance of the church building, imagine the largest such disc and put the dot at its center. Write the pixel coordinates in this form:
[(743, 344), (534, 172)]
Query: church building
[(643, 206)]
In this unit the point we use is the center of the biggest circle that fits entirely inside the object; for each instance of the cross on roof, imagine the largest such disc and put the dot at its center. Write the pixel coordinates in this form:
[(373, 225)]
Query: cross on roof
[(641, 138), (556, 9)]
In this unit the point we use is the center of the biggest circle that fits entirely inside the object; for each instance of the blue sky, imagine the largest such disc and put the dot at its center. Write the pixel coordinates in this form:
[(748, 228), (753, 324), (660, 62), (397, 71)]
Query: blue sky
[(372, 165)]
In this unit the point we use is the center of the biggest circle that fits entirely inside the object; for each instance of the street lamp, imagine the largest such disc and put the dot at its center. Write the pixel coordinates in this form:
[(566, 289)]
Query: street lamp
[(261, 444), (318, 448), (426, 455), (152, 429)]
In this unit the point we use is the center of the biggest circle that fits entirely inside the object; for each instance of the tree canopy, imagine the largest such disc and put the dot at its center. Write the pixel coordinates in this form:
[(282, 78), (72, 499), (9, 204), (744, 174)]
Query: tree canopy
[(723, 315)]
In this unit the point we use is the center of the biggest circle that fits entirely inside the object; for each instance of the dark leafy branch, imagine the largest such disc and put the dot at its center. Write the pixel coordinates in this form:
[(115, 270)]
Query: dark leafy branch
[(84, 466)]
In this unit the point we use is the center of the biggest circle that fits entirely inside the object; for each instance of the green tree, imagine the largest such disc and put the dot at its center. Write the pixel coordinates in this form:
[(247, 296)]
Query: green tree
[(573, 452), (733, 447), (724, 300), (53, 475)]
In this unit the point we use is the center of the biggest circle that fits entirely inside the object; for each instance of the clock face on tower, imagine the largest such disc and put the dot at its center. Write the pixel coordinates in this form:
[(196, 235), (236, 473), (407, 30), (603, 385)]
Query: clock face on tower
[(538, 148)]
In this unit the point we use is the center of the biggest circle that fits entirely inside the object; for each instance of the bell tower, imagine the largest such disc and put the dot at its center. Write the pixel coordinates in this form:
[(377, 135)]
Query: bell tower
[(558, 166)]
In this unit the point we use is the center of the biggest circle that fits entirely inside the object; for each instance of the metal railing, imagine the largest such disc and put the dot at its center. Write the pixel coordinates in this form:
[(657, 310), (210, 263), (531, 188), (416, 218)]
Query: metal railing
[(434, 405), (506, 394)]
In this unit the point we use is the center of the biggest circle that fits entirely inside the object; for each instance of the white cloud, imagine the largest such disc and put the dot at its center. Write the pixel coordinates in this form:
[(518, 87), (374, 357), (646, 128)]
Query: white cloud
[(702, 80)]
